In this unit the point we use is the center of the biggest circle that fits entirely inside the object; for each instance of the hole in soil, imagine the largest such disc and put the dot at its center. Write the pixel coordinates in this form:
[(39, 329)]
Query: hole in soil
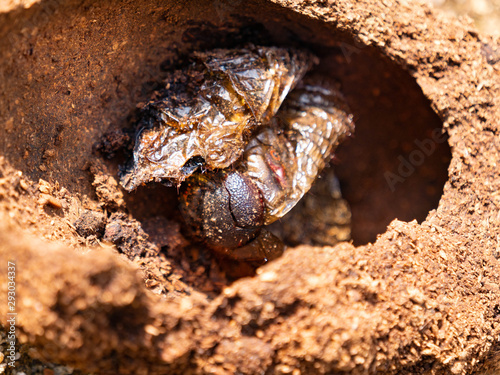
[(395, 165)]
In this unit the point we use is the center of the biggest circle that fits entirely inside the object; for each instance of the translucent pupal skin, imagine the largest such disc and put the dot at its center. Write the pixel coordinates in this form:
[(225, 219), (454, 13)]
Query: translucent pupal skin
[(284, 159), (278, 166), (210, 109)]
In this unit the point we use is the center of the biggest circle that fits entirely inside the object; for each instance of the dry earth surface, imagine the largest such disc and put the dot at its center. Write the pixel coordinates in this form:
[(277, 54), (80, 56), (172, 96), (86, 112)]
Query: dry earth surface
[(107, 282)]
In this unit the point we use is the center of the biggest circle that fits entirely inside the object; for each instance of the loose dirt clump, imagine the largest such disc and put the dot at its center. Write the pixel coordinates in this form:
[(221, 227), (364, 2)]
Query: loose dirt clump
[(91, 223)]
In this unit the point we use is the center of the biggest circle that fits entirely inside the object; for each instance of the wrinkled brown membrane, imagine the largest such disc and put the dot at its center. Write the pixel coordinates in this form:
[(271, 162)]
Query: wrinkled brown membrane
[(422, 299), (242, 90)]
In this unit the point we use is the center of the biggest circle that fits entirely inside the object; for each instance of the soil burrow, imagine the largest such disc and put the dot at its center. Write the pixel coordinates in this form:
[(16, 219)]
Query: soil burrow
[(418, 295)]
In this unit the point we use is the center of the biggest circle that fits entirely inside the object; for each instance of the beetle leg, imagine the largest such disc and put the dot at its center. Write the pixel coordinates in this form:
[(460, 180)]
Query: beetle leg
[(262, 249)]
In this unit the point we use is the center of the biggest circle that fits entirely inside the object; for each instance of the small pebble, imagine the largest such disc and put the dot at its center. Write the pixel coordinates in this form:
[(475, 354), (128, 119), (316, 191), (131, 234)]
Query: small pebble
[(49, 200), (44, 187), (23, 184)]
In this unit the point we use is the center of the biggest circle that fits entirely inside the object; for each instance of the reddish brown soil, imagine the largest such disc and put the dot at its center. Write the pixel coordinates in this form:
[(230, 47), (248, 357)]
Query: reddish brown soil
[(422, 297)]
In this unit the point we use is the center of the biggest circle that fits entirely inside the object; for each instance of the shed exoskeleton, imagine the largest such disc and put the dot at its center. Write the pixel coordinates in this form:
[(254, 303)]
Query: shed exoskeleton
[(260, 132)]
